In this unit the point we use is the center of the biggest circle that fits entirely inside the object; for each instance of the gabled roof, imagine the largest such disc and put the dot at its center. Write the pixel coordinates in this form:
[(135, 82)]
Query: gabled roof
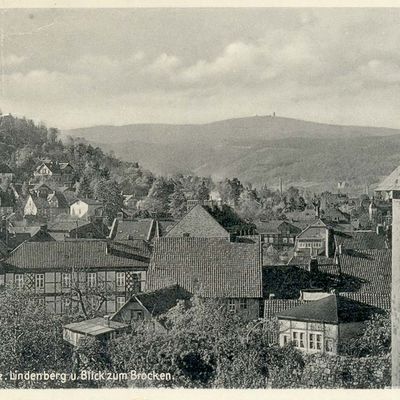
[(41, 185), (39, 202), (62, 201), (332, 309), (68, 225), (198, 223), (379, 300), (367, 270), (361, 240), (159, 301), (5, 169), (212, 267), (272, 307), (79, 254), (391, 182), (274, 225), (313, 231)]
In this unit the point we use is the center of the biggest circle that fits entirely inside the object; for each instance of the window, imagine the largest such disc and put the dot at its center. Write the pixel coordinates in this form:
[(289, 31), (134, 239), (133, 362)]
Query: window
[(291, 240), (91, 279), (285, 339), (120, 279), (231, 305), (319, 341), (271, 239), (285, 240), (66, 280), (329, 345), (66, 303), (136, 315), (39, 281), (120, 302), (302, 245), (295, 339), (302, 340), (41, 301), (315, 341), (19, 281), (311, 341), (317, 245), (243, 304)]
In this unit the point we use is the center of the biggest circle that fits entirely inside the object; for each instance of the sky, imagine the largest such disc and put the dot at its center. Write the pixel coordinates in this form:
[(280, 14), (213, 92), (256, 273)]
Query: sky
[(82, 67)]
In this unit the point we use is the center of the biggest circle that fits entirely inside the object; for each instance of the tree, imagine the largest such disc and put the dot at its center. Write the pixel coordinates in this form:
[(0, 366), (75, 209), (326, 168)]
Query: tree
[(203, 192), (249, 206), (109, 193), (375, 340), (31, 338), (157, 201), (177, 203)]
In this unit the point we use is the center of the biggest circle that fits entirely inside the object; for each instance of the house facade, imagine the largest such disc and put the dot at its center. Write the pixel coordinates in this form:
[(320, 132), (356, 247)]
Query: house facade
[(86, 208), (325, 325), (59, 173), (278, 233), (316, 239), (55, 271)]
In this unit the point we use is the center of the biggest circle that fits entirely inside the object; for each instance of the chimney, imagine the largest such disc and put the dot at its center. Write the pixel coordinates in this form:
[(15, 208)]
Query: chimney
[(340, 249), (107, 320), (395, 314), (271, 296), (108, 247), (379, 229)]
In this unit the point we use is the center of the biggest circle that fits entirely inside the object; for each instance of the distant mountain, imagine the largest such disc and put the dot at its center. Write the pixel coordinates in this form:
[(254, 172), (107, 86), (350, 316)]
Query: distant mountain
[(257, 150)]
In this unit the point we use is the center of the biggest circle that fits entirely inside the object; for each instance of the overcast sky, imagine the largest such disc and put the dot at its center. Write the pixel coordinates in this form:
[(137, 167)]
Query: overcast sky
[(73, 68)]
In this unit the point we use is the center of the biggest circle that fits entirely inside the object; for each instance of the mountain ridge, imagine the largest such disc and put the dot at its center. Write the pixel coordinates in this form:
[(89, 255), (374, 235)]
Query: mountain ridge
[(257, 149)]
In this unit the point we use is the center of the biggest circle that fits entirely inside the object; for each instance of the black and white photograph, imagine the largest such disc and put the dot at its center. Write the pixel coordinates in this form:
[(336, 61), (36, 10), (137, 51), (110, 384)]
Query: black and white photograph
[(199, 197)]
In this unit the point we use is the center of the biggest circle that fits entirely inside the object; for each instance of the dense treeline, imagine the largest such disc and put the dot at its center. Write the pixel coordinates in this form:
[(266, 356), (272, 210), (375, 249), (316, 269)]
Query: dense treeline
[(204, 346), (23, 144)]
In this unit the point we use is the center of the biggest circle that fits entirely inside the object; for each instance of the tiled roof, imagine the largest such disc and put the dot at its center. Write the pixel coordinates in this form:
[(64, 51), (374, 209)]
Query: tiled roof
[(67, 225), (272, 307), (164, 226), (158, 302), (378, 300), (40, 203), (79, 254), (273, 226), (212, 267), (286, 281), (332, 309), (367, 270), (90, 202), (325, 264), (62, 201), (198, 223), (315, 231), (132, 229), (391, 182), (361, 240), (70, 197)]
